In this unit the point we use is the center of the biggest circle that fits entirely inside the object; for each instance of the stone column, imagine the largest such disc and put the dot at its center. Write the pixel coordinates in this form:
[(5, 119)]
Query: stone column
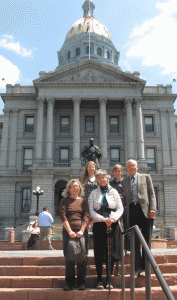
[(39, 134), (139, 130), (76, 162), (5, 133), (130, 138), (13, 139), (172, 118), (165, 137), (103, 133), (49, 137)]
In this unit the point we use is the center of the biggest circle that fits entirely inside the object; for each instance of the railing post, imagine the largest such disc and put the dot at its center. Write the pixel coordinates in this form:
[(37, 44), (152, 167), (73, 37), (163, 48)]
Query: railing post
[(132, 264), (148, 277), (122, 268)]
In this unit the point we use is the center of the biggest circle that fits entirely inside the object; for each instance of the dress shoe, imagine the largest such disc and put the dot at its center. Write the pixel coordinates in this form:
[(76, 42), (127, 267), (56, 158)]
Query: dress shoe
[(142, 273), (67, 287), (82, 287), (107, 285), (137, 273), (100, 286)]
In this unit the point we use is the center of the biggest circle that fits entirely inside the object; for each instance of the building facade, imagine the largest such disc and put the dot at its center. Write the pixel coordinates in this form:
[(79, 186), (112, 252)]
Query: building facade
[(46, 126)]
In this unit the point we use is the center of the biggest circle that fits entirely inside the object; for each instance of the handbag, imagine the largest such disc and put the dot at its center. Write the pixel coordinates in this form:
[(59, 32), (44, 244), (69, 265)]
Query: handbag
[(76, 249)]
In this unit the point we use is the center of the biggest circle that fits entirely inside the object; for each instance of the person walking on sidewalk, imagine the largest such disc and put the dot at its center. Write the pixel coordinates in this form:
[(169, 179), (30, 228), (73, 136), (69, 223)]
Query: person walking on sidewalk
[(45, 221)]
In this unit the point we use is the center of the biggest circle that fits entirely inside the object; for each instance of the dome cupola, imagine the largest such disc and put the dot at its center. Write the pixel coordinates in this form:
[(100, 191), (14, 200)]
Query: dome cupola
[(88, 7), (88, 35)]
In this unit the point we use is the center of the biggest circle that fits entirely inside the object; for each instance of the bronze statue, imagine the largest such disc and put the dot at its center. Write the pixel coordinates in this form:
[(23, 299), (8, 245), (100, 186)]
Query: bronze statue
[(92, 153)]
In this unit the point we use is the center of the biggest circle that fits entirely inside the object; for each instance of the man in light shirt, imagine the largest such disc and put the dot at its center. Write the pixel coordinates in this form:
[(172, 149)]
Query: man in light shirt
[(45, 220)]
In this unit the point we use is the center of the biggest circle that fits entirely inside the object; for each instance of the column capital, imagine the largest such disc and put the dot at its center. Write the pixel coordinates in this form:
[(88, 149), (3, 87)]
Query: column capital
[(139, 100), (163, 111), (102, 100), (50, 101), (128, 101), (76, 100), (6, 111), (40, 99)]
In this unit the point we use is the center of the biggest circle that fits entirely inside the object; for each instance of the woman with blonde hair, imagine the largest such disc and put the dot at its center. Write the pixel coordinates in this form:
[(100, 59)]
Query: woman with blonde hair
[(88, 179), (74, 213)]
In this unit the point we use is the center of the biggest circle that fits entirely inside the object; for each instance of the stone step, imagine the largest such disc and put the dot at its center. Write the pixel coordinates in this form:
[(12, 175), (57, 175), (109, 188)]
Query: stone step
[(59, 281), (60, 260), (55, 294), (59, 270)]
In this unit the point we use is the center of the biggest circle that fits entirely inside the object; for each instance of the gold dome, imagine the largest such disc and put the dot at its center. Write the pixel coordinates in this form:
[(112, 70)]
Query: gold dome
[(82, 26)]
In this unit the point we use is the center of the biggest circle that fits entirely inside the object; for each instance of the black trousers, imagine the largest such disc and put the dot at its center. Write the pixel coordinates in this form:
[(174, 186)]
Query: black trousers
[(70, 272), (137, 217), (101, 247)]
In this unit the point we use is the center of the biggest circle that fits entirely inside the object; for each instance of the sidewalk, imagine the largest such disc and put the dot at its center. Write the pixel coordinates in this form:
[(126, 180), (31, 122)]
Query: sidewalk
[(56, 253)]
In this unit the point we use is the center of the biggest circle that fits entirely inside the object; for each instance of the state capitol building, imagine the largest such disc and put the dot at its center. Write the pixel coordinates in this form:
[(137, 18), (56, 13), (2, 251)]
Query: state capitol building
[(46, 126)]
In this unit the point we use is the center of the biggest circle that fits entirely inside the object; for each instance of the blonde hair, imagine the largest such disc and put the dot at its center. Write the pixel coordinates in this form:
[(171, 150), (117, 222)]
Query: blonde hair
[(85, 175), (66, 192), (117, 166)]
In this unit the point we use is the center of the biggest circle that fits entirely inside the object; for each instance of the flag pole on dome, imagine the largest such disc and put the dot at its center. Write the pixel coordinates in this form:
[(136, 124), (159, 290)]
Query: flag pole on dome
[(89, 31), (88, 16)]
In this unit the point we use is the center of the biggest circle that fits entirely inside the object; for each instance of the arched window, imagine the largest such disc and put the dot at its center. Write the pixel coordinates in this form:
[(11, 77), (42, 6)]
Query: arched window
[(99, 51), (78, 51), (87, 49), (69, 54), (108, 55)]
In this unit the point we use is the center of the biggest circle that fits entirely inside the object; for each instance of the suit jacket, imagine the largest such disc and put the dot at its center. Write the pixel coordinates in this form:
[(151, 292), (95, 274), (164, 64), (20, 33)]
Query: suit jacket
[(146, 194)]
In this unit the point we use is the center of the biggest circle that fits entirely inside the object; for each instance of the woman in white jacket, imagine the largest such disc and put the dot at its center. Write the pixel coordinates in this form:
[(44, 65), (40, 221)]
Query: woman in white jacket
[(105, 209)]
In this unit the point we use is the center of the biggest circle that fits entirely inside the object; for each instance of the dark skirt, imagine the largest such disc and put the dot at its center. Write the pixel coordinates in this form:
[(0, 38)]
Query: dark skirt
[(66, 238), (100, 242), (32, 240)]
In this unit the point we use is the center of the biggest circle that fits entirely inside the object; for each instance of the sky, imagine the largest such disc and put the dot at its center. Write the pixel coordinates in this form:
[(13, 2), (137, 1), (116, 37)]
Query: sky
[(32, 31)]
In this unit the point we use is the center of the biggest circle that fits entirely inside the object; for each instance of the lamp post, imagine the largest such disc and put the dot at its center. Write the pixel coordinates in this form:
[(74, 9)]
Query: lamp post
[(37, 192)]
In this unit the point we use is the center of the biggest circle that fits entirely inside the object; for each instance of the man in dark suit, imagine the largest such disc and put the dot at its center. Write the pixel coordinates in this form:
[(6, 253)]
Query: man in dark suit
[(141, 203)]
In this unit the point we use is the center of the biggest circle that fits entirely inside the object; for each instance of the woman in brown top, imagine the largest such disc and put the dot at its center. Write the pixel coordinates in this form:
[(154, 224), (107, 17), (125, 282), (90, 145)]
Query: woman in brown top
[(74, 213)]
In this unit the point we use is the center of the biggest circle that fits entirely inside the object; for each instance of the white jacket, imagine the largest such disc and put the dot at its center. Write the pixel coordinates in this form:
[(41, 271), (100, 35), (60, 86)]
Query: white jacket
[(114, 202)]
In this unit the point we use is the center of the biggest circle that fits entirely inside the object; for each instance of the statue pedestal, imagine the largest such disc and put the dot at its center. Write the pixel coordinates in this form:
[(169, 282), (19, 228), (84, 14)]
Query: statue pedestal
[(76, 163), (104, 164)]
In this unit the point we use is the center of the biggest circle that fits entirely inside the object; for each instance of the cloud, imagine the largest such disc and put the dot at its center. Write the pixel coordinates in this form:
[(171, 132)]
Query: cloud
[(155, 39), (8, 42), (8, 71)]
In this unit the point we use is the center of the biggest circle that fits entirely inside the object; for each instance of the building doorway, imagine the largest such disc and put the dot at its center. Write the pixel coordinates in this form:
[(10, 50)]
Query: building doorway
[(59, 187)]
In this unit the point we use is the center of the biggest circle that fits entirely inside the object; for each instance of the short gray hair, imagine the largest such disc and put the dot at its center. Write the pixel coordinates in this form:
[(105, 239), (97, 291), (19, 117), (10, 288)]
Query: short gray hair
[(131, 160), (102, 172), (66, 191)]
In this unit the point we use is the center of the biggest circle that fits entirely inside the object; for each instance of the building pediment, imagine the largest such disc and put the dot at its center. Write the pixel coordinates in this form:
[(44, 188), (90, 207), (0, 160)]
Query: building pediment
[(89, 73)]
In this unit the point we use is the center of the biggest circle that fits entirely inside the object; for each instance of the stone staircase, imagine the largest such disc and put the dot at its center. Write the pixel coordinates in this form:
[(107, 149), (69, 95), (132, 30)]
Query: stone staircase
[(37, 277)]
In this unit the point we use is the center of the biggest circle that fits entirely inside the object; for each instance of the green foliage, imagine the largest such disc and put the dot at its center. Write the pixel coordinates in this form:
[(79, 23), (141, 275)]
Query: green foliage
[(57, 237)]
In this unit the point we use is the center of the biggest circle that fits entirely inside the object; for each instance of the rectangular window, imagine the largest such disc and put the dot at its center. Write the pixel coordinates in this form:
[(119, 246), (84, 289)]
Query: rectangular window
[(89, 124), (149, 124), (150, 155), (26, 199), (27, 159), (64, 155), (64, 126), (115, 155), (29, 124), (114, 124)]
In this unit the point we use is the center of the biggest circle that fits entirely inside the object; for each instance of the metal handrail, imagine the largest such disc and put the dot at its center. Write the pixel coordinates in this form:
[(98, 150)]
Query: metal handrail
[(149, 261)]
